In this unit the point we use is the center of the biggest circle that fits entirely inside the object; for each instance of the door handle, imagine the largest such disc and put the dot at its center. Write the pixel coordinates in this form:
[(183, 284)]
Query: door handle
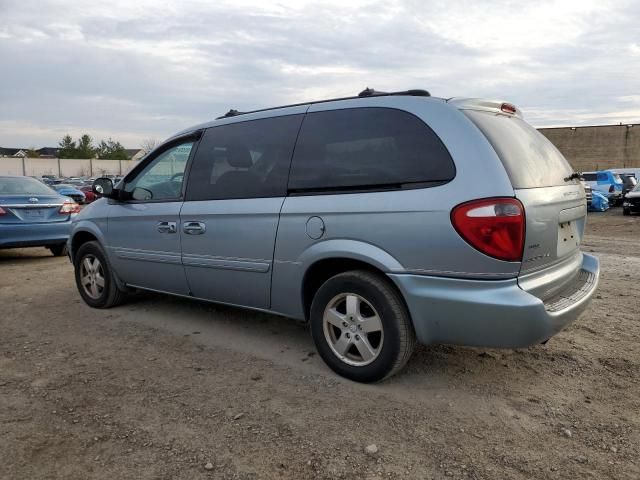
[(194, 228), (167, 227)]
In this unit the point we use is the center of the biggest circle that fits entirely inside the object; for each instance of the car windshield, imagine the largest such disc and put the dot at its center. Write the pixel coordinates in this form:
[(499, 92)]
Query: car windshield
[(23, 186), (636, 188)]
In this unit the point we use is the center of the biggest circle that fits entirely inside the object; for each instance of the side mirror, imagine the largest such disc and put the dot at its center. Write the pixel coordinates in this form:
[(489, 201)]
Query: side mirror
[(103, 186)]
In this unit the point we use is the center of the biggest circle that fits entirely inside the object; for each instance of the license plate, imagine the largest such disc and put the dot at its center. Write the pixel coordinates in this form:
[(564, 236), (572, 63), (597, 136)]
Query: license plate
[(34, 213), (568, 238)]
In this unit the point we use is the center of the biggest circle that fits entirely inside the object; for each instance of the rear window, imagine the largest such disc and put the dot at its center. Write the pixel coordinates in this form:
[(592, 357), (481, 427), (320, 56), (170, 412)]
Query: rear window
[(531, 161), (367, 148), (23, 186)]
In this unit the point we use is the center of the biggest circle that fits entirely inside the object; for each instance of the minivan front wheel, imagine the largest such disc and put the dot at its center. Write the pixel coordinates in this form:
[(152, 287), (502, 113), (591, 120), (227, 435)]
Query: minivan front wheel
[(94, 278), (361, 326)]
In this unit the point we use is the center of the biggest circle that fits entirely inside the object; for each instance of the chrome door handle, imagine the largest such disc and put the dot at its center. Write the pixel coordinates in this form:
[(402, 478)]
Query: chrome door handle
[(194, 228), (167, 227)]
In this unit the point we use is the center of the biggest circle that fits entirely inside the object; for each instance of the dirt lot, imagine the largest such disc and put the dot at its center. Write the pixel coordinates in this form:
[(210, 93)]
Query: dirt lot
[(161, 387)]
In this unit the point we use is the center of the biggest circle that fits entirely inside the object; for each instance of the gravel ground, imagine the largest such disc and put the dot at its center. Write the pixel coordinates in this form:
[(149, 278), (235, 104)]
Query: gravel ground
[(167, 388)]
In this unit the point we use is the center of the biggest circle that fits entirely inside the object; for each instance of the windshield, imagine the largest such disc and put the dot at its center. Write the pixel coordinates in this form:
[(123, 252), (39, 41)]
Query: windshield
[(636, 188), (23, 186)]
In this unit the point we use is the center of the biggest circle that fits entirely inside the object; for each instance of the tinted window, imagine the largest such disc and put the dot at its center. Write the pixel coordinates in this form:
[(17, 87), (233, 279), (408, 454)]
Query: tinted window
[(367, 147), (602, 177), (589, 177), (244, 160), (162, 178), (528, 157)]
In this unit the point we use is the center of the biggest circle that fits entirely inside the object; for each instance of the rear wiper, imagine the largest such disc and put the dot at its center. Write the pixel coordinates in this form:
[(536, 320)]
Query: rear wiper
[(573, 176)]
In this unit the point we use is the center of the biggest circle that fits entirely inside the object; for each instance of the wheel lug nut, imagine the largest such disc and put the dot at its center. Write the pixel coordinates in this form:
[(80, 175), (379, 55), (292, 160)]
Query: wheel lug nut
[(357, 337), (348, 335)]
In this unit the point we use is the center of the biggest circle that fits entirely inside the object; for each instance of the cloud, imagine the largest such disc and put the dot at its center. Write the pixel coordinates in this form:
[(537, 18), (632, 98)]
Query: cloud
[(134, 70)]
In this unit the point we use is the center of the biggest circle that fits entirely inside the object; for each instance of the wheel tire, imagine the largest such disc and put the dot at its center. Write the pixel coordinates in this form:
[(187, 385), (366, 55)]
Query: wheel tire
[(110, 295), (58, 250), (398, 337), (626, 211)]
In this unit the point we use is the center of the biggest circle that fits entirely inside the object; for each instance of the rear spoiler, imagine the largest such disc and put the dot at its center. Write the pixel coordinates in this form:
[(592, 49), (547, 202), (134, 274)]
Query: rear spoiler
[(494, 106)]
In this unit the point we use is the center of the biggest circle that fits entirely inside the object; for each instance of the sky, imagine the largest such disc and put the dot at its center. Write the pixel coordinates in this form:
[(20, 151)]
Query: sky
[(137, 69)]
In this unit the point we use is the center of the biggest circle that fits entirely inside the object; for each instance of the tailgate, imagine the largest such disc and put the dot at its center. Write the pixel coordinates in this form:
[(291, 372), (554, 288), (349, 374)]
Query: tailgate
[(555, 220)]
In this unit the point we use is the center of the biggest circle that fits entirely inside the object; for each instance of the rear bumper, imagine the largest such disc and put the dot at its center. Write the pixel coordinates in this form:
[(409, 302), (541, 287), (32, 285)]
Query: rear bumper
[(34, 234), (492, 313)]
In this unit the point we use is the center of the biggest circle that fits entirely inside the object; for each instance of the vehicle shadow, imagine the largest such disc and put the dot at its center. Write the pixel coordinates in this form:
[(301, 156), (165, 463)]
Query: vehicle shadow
[(287, 342), (22, 254)]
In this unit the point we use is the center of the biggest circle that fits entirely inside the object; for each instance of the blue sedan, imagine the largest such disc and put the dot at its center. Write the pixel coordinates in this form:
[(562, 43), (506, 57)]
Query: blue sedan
[(70, 191), (34, 215)]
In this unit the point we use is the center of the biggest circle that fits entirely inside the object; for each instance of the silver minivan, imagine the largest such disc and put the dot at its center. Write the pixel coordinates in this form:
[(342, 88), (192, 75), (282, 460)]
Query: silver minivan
[(381, 219)]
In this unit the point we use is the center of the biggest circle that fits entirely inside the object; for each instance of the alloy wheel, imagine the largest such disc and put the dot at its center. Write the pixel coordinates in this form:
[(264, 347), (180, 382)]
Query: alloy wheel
[(92, 276), (353, 329)]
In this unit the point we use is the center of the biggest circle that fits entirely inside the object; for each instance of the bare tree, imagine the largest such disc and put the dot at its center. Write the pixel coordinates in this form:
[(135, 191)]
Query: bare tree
[(149, 144)]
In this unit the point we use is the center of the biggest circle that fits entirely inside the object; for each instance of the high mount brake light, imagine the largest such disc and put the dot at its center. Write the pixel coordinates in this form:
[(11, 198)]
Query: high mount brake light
[(494, 226), (508, 108), (68, 208)]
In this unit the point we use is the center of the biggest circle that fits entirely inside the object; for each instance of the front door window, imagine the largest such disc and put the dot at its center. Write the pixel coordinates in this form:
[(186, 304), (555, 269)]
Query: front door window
[(162, 178)]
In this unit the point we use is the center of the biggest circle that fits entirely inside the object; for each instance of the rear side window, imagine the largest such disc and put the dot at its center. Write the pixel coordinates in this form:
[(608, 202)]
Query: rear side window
[(364, 148), (244, 160), (590, 177), (530, 159)]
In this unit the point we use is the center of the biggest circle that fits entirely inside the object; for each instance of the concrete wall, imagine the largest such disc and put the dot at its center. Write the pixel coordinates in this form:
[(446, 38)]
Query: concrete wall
[(597, 148), (64, 167)]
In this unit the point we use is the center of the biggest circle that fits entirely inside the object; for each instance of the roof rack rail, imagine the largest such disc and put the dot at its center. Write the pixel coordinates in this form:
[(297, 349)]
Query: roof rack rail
[(370, 92), (367, 92)]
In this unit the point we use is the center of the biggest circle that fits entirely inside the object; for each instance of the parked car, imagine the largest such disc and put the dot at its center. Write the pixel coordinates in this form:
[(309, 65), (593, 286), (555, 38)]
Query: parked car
[(628, 182), (70, 191), (34, 215), (627, 171), (631, 202), (606, 182), (588, 192), (396, 217), (89, 194), (76, 182)]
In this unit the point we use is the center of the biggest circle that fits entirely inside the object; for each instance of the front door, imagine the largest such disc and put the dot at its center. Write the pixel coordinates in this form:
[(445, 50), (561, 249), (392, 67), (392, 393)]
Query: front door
[(143, 232), (235, 191)]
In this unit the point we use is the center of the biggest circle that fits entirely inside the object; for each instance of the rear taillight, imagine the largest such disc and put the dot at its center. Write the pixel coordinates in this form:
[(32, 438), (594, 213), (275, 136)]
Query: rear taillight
[(69, 207), (2, 211), (494, 226)]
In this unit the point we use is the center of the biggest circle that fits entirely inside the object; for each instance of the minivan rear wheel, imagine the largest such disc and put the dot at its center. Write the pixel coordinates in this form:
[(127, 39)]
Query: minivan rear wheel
[(95, 279), (361, 327)]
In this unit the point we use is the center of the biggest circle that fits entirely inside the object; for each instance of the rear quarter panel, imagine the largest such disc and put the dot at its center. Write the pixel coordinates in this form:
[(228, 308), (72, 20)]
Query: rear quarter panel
[(407, 231)]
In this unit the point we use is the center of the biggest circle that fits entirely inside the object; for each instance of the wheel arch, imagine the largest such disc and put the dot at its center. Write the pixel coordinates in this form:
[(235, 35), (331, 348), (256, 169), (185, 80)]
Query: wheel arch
[(82, 234), (343, 256)]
